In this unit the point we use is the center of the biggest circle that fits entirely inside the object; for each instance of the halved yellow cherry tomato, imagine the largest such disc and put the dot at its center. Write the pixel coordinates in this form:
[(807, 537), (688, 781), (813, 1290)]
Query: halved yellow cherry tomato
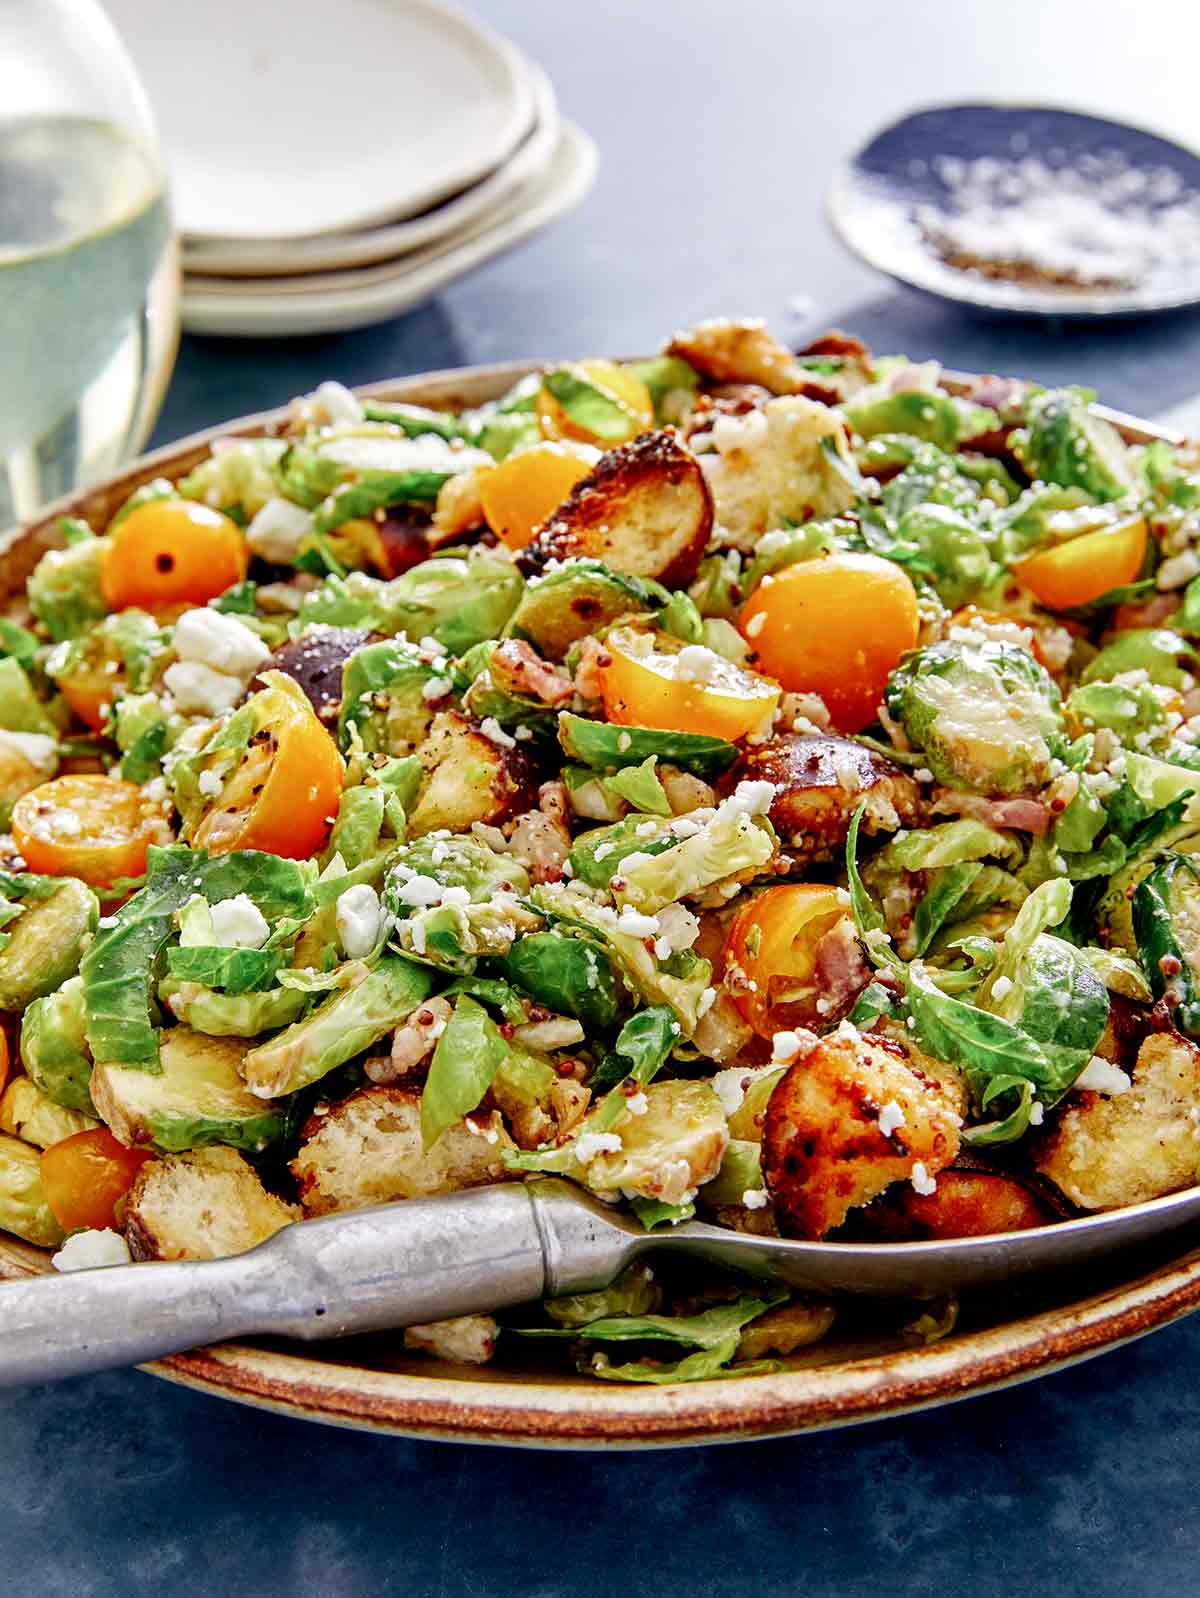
[(834, 626), (525, 488), (91, 671), (94, 828), (770, 955), (171, 551), (282, 792), (85, 1177), (619, 384), (653, 680), (1081, 570)]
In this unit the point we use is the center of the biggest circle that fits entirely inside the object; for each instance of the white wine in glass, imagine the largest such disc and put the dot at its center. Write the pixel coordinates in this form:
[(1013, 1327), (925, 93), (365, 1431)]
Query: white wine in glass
[(89, 271)]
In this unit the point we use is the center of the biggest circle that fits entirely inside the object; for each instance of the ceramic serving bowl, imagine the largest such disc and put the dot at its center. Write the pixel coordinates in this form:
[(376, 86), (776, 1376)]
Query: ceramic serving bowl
[(867, 1368)]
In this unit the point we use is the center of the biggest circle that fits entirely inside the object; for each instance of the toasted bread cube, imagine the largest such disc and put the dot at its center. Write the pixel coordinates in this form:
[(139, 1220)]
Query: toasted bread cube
[(468, 777), (644, 510), (778, 466), (820, 781), (201, 1206), (1106, 1152), (368, 1150), (824, 1150), (965, 1204), (725, 351)]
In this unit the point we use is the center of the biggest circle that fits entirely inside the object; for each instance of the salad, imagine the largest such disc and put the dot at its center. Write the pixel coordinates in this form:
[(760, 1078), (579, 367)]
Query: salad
[(750, 785)]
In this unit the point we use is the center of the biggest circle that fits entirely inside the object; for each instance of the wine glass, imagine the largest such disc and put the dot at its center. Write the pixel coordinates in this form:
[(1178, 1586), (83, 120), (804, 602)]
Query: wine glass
[(89, 268)]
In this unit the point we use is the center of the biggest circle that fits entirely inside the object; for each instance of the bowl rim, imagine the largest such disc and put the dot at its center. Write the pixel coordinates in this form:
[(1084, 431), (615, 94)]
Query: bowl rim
[(572, 1414)]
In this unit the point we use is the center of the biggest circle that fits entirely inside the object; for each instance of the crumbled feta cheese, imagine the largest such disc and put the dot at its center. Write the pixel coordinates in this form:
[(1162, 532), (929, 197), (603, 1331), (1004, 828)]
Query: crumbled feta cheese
[(492, 730), (751, 798), (199, 690), (662, 949), (592, 1143), (1037, 1113), (698, 663), (707, 999), (456, 897), (1001, 987), (1178, 570), (83, 1250), (417, 890), (436, 688), (337, 402), (645, 829), (209, 784), (35, 748), (210, 638), (785, 1046), (1102, 1076), (637, 1104), (756, 624), (278, 530), (891, 1118), (922, 1182), (358, 916), (636, 925), (847, 1032), (755, 1198), (923, 774), (238, 923), (730, 1087)]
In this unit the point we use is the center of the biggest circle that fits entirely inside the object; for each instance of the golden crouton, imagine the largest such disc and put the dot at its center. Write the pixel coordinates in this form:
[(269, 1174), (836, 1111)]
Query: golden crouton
[(644, 509), (200, 1206), (967, 1203), (725, 351), (778, 466), (368, 1150), (824, 1148), (1106, 1152), (819, 783), (468, 777)]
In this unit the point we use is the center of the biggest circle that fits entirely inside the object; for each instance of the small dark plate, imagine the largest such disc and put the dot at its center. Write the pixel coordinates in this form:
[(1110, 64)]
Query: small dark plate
[(885, 202)]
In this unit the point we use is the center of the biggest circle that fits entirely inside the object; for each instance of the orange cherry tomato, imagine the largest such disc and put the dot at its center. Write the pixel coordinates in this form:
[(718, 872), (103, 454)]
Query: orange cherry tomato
[(170, 552), (617, 383), (770, 955), (524, 489), (282, 793), (651, 680), (834, 626), (91, 671), (1081, 570), (94, 828), (86, 1175)]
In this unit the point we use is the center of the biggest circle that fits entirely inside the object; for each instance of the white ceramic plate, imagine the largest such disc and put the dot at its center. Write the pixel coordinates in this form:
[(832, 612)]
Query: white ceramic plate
[(288, 121), (355, 299), (242, 258)]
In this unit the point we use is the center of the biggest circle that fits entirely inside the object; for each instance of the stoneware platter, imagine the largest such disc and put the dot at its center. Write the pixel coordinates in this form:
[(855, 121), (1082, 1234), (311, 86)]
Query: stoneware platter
[(869, 1366)]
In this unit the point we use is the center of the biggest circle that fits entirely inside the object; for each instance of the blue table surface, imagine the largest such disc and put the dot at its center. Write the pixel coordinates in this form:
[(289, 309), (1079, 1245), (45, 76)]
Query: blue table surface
[(718, 127)]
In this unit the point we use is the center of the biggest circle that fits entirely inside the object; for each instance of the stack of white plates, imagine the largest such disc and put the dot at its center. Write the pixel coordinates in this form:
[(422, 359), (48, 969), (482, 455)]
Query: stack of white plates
[(333, 165)]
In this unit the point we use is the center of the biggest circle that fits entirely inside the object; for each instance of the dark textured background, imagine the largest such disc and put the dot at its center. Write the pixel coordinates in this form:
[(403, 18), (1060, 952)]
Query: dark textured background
[(718, 126)]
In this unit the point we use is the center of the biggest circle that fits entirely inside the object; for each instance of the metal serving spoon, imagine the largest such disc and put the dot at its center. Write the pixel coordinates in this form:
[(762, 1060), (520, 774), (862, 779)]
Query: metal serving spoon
[(485, 1249)]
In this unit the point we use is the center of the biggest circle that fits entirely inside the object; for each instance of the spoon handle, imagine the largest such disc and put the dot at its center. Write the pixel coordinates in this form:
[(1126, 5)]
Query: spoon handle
[(399, 1265)]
